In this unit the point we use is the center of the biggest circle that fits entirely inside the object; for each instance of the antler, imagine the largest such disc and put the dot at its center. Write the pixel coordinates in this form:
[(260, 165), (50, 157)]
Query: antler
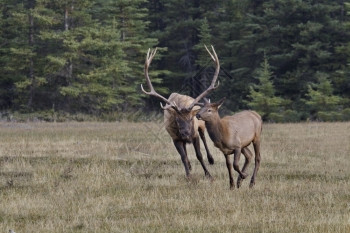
[(212, 85), (150, 55)]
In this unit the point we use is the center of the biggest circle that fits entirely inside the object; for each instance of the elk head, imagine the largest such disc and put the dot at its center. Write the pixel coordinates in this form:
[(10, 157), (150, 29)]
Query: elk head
[(210, 110), (183, 115), (185, 123)]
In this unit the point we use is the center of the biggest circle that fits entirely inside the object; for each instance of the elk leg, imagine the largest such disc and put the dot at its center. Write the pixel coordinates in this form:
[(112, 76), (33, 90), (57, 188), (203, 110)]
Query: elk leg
[(209, 156), (230, 171), (188, 161), (196, 145), (180, 148), (248, 157), (237, 156), (257, 162)]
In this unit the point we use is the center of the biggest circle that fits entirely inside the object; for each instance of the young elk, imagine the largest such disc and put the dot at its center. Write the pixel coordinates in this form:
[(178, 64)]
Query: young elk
[(179, 117), (232, 135)]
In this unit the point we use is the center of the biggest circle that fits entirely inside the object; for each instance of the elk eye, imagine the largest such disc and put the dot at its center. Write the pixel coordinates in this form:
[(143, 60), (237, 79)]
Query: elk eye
[(209, 110)]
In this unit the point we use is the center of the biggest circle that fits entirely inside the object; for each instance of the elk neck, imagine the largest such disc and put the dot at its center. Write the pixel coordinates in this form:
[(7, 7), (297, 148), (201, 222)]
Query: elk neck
[(215, 129)]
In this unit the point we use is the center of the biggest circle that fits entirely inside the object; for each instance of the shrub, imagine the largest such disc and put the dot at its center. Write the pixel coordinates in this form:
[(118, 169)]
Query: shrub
[(275, 117), (290, 116), (346, 114), (329, 116)]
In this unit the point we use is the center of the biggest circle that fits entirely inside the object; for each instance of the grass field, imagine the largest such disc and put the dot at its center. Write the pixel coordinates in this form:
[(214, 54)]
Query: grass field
[(128, 177)]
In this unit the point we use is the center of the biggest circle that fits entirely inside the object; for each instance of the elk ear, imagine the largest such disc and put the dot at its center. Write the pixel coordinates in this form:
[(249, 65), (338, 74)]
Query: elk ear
[(219, 103), (194, 112)]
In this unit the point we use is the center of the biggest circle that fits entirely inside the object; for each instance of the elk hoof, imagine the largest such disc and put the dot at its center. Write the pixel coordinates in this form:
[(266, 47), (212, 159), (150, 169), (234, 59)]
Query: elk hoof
[(210, 160), (208, 176), (252, 183), (239, 182)]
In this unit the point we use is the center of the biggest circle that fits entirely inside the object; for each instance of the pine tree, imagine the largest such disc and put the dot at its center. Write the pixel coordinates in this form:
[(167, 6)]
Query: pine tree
[(6, 82), (203, 76), (233, 35), (181, 19), (262, 96), (69, 57), (300, 38), (133, 25), (204, 36), (341, 78), (21, 58), (324, 105)]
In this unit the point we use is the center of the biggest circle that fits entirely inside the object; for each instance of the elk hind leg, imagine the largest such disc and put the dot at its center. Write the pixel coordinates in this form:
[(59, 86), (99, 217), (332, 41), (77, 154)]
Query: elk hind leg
[(248, 157), (237, 156), (209, 156), (257, 162)]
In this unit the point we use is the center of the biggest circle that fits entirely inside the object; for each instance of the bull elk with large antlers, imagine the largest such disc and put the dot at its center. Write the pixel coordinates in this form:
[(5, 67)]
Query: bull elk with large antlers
[(232, 135), (179, 116)]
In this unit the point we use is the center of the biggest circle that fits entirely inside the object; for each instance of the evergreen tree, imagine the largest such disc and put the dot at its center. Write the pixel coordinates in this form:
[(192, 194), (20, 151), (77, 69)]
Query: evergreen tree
[(341, 78), (87, 56), (204, 36), (300, 38), (69, 55), (133, 25), (181, 19), (262, 96), (100, 67), (21, 57), (202, 79), (324, 105), (237, 51)]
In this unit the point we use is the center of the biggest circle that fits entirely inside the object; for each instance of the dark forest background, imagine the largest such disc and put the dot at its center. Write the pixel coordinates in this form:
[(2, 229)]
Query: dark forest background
[(286, 59)]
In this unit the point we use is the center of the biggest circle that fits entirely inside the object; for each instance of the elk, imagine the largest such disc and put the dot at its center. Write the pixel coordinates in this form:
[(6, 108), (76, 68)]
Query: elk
[(179, 116), (232, 135)]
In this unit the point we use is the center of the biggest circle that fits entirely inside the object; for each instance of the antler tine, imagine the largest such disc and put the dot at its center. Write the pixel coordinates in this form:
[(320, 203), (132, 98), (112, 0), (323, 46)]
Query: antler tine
[(150, 55), (217, 70), (164, 107), (173, 106), (210, 52), (152, 92), (212, 86)]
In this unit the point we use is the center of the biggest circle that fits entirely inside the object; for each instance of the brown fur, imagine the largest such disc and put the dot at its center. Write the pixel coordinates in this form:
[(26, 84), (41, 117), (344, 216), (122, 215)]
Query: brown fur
[(232, 135), (182, 101), (195, 127), (179, 115)]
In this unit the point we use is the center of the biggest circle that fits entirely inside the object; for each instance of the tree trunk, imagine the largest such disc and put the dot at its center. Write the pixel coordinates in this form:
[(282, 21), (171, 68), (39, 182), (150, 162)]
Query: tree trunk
[(66, 23), (66, 28), (31, 61)]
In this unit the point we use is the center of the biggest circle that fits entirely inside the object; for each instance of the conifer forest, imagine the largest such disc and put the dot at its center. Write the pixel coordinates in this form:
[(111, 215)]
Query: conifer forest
[(286, 59)]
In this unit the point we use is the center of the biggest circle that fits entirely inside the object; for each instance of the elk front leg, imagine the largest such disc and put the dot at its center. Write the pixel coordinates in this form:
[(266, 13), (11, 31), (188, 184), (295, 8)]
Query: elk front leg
[(209, 156), (188, 161), (196, 145), (248, 157), (237, 156), (257, 162), (230, 171), (180, 147)]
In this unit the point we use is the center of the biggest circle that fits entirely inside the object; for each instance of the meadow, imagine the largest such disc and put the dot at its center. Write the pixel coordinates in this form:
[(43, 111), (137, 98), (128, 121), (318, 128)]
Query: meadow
[(128, 177)]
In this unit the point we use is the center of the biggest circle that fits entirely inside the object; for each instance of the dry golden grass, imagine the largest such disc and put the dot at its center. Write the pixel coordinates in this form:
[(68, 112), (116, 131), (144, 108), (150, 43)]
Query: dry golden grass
[(125, 177)]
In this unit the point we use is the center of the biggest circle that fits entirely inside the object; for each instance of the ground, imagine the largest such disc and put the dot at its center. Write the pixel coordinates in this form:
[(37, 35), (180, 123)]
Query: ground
[(128, 177)]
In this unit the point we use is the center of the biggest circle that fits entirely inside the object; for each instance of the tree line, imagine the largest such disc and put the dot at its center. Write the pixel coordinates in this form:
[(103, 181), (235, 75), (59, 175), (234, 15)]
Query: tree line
[(286, 59)]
